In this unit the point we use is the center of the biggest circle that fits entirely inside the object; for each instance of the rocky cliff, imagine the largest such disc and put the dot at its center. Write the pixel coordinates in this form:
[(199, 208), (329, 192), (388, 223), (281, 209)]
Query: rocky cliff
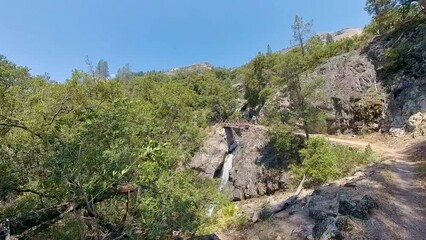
[(380, 87), (256, 169), (399, 58)]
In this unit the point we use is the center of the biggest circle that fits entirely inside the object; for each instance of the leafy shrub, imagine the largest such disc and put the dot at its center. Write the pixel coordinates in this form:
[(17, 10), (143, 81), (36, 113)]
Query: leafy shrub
[(284, 142), (396, 58), (323, 161), (319, 162), (227, 217)]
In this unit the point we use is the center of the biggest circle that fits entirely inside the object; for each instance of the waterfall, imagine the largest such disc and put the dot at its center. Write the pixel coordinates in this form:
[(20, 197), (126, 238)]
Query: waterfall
[(224, 177), (225, 170)]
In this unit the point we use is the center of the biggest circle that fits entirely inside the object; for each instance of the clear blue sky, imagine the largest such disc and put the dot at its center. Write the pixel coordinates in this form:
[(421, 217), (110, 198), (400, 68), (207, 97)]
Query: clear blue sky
[(54, 36)]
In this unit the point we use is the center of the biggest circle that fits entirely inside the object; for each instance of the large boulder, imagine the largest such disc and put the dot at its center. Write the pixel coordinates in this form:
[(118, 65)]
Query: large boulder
[(354, 98), (210, 157), (359, 208)]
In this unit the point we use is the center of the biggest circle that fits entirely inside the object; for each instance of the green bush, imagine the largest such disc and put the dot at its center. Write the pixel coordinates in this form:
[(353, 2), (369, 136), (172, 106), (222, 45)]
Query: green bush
[(323, 161), (319, 162), (285, 143)]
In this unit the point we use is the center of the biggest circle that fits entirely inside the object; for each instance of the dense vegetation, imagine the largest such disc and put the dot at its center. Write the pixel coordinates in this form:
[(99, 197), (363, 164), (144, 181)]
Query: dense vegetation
[(77, 142), (107, 156), (323, 161)]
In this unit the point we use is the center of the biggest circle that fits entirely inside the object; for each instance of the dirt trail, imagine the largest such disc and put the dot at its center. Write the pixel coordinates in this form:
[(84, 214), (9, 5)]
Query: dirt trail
[(393, 183), (396, 186)]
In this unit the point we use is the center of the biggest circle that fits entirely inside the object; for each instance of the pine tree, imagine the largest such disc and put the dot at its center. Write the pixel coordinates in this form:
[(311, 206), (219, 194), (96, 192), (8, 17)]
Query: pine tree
[(102, 70), (269, 50)]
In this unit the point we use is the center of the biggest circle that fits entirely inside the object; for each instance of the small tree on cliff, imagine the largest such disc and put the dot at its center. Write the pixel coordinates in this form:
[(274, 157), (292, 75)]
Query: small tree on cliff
[(301, 89)]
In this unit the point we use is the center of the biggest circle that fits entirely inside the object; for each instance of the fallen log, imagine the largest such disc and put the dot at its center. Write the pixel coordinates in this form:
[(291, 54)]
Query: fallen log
[(283, 205), (44, 218)]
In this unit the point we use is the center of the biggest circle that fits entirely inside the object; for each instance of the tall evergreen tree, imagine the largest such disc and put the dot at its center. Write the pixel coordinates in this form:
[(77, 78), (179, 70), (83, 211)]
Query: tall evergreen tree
[(102, 70), (269, 50), (302, 32)]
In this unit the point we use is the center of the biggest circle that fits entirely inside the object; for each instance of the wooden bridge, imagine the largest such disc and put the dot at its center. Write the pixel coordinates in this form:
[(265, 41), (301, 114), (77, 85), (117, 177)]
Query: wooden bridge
[(240, 123)]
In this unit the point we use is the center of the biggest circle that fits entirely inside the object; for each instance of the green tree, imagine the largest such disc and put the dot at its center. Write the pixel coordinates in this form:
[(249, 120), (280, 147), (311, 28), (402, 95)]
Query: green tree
[(102, 70), (329, 38), (70, 147), (269, 50), (124, 72), (302, 31)]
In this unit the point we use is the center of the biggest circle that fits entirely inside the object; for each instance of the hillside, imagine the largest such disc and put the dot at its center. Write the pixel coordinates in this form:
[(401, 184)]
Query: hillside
[(324, 140)]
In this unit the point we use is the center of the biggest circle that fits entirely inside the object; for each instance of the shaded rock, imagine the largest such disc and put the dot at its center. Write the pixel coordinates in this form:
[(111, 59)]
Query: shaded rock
[(327, 229), (323, 204), (404, 78), (256, 171), (361, 209), (211, 155)]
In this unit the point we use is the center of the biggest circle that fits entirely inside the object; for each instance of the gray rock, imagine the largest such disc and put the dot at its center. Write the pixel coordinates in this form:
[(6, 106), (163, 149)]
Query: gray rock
[(256, 170), (207, 237), (361, 209), (211, 155), (323, 204), (397, 132), (405, 79), (416, 124)]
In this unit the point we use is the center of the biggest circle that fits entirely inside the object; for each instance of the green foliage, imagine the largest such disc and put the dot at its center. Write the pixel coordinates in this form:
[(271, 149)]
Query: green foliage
[(323, 162), (75, 142), (395, 58), (255, 81), (285, 143), (178, 202), (391, 18), (227, 217)]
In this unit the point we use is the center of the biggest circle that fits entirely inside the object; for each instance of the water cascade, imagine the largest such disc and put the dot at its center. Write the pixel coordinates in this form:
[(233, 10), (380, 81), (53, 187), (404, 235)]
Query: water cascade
[(224, 177)]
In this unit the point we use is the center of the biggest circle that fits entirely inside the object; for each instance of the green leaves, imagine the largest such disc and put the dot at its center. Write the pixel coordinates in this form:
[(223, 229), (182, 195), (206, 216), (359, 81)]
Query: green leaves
[(82, 139), (323, 161)]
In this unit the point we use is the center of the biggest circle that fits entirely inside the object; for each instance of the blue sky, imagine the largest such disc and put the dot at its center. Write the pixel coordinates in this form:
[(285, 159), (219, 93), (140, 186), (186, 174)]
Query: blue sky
[(54, 36)]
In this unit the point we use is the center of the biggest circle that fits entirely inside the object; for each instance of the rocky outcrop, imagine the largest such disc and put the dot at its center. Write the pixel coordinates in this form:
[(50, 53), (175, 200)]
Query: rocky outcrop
[(256, 169), (400, 60), (333, 210), (354, 97), (195, 68), (210, 156), (381, 87)]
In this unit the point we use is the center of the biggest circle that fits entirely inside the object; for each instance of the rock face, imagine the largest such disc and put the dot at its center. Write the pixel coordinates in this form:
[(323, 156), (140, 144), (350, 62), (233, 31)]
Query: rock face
[(355, 99), (333, 210), (195, 68), (256, 170), (381, 87), (212, 154), (400, 60)]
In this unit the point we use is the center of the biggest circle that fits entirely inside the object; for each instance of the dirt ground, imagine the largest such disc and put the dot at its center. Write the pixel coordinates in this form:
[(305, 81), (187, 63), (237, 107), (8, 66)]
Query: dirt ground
[(396, 183)]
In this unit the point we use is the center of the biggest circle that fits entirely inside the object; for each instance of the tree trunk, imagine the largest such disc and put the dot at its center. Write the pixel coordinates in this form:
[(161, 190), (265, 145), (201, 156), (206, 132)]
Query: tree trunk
[(44, 218)]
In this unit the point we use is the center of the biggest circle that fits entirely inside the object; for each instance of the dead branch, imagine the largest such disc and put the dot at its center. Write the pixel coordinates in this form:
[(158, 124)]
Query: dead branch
[(283, 205)]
